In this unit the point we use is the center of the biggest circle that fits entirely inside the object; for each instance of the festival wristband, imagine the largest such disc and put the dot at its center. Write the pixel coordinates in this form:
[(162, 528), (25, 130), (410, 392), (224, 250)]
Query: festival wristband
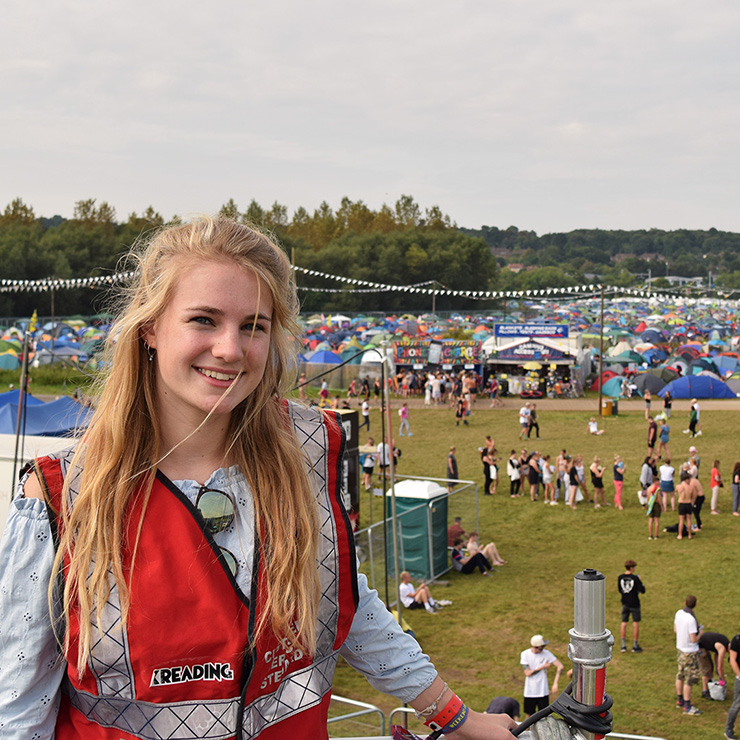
[(446, 715), (457, 722)]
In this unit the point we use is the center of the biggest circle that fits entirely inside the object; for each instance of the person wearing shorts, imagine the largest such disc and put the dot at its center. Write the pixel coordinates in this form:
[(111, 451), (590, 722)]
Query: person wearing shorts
[(686, 497), (688, 632), (654, 510), (630, 587)]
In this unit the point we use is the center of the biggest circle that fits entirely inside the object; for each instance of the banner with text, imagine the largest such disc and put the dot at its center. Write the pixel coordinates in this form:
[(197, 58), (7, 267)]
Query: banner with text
[(515, 331), (457, 352)]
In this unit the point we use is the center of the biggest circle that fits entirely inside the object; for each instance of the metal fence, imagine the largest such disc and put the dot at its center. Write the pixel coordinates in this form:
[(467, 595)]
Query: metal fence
[(374, 544)]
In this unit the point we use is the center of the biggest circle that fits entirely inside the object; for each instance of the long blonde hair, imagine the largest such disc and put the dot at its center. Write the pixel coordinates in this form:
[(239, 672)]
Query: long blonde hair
[(122, 446)]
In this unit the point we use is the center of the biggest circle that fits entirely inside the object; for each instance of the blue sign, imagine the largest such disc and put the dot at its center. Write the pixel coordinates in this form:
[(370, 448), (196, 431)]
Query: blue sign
[(516, 331)]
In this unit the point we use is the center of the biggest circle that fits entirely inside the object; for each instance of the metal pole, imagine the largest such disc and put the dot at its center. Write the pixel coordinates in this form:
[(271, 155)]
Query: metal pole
[(601, 350), (590, 647), (392, 468)]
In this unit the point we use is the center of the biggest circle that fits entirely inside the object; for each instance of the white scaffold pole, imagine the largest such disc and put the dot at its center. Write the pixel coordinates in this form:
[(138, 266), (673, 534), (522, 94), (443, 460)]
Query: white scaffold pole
[(590, 647)]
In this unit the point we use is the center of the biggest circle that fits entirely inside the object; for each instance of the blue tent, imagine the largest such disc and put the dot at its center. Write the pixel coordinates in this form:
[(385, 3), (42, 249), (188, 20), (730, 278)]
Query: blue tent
[(326, 357), (697, 386), (58, 418), (14, 397)]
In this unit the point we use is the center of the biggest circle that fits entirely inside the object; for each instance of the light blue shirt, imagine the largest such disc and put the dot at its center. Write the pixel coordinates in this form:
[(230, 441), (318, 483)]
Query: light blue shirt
[(31, 665)]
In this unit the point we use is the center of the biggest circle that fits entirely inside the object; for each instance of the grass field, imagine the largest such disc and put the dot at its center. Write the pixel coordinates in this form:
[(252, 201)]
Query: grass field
[(476, 642)]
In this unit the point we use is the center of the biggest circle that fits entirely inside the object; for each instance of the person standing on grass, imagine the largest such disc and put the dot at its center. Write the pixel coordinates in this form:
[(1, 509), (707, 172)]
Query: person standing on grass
[(664, 435), (667, 485), (403, 412), (618, 481), (533, 421), (654, 509), (572, 483), (561, 469), (667, 403), (536, 660), (735, 707), (597, 481), (581, 472), (368, 465), (630, 587), (524, 414), (512, 470), (697, 493), (547, 474), (715, 483), (688, 631), (365, 414), (646, 477), (460, 412), (451, 473), (652, 435), (686, 496), (736, 489), (648, 398)]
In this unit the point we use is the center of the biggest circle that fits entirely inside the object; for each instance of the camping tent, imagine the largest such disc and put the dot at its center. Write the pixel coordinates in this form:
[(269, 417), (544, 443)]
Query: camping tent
[(58, 418), (697, 386)]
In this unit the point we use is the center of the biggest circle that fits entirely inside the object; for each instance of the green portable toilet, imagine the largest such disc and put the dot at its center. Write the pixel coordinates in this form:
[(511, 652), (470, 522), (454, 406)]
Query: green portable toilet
[(421, 508)]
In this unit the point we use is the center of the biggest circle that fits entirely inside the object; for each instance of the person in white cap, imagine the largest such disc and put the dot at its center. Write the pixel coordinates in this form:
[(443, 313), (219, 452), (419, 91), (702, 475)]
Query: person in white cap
[(535, 661)]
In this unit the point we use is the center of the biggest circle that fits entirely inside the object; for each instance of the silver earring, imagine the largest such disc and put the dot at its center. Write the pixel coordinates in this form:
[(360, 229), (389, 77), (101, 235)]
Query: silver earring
[(150, 351)]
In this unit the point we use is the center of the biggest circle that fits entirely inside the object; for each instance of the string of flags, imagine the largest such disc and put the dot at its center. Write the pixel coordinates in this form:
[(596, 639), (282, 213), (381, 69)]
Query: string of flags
[(47, 284), (356, 285)]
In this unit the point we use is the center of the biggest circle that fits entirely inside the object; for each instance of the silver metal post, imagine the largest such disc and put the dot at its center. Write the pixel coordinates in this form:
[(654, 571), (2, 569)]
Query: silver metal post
[(590, 647)]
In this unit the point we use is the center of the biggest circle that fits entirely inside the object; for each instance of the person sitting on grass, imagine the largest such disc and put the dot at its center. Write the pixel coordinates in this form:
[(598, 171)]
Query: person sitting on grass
[(593, 427), (468, 563), (416, 598), (489, 551)]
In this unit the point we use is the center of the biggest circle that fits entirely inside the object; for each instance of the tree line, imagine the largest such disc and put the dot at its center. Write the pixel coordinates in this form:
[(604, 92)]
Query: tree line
[(399, 244)]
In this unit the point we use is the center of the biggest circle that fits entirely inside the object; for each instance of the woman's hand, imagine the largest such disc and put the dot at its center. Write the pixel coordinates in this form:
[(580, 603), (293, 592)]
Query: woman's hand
[(479, 726)]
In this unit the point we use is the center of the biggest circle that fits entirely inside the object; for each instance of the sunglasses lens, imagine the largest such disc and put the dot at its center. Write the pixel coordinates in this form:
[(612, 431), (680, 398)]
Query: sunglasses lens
[(217, 510), (230, 560)]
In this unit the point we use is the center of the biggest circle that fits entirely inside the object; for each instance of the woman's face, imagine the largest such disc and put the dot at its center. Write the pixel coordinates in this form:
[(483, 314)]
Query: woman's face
[(217, 324)]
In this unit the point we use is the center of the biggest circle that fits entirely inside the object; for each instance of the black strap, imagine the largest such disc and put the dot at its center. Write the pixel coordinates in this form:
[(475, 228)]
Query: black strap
[(584, 716)]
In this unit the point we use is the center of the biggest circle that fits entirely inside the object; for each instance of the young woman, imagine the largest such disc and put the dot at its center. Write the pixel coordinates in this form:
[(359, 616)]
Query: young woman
[(736, 489), (664, 435), (618, 481), (512, 470), (574, 484), (597, 481), (547, 474), (193, 550), (715, 483), (654, 510), (489, 551)]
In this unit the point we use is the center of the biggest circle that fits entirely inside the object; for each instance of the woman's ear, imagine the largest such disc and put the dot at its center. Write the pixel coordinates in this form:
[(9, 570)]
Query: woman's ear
[(149, 337)]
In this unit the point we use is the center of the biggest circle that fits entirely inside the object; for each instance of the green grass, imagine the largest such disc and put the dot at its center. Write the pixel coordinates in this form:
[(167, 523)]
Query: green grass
[(47, 380), (475, 643)]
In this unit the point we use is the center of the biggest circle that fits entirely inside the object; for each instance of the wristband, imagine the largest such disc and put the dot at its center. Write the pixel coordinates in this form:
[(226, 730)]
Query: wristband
[(446, 715), (458, 721)]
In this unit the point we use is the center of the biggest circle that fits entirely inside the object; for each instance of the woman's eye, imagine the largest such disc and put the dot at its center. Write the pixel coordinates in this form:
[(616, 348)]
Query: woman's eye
[(202, 320)]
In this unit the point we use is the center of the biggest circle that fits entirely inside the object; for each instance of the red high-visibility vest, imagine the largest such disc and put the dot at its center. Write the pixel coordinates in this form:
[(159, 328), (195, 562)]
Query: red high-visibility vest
[(181, 668)]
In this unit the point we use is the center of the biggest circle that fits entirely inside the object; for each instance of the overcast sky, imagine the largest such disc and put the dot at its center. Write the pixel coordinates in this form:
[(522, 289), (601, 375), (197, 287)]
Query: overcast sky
[(548, 115)]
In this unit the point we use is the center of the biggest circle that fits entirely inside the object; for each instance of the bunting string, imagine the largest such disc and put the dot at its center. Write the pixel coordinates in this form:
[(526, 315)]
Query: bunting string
[(357, 285)]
